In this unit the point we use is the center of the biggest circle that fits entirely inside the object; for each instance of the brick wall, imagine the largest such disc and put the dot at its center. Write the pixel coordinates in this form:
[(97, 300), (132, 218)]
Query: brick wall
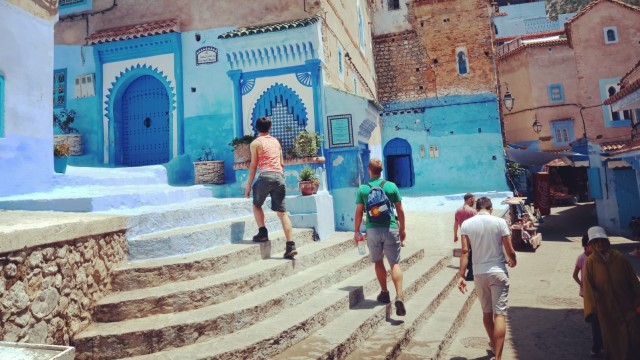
[(422, 63)]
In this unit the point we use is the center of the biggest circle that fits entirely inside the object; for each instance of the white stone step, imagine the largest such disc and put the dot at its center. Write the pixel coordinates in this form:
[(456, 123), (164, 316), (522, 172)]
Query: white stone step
[(189, 239), (216, 288), (389, 340), (107, 176), (348, 333), (161, 332), (154, 272), (279, 331)]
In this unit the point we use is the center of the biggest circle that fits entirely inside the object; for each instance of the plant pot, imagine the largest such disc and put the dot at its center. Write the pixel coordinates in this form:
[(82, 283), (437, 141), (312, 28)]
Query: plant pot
[(209, 172), (242, 153), (74, 141), (60, 164), (308, 187)]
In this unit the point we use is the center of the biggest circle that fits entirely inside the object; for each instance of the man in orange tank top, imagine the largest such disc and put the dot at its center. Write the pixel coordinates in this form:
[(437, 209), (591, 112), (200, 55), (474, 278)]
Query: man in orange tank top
[(266, 155)]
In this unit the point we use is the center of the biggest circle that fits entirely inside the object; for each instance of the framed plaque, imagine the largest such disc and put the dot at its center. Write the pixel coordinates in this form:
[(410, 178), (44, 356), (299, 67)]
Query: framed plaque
[(340, 131), (206, 55)]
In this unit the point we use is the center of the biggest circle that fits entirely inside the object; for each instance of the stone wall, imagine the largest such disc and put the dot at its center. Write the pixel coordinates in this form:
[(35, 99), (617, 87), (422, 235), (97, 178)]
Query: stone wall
[(421, 62), (48, 291)]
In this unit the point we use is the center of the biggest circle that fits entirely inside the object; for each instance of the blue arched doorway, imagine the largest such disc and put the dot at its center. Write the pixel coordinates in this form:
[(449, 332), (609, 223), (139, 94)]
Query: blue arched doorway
[(398, 162), (142, 123)]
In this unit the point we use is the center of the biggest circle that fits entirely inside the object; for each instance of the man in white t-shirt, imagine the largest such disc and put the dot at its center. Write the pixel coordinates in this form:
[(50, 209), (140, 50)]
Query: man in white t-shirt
[(487, 235)]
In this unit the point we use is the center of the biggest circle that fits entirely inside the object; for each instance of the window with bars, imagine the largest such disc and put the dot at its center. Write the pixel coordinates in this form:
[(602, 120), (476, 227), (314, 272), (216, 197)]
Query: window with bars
[(610, 35), (287, 112), (556, 93), (562, 132), (60, 88), (461, 61)]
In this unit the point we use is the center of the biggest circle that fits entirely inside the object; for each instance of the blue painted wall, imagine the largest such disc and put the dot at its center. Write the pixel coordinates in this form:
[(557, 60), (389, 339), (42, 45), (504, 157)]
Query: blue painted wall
[(466, 130), (80, 61)]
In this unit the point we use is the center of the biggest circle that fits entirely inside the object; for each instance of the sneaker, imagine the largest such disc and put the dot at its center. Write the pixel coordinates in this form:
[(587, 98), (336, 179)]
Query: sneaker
[(290, 251), (262, 235), (383, 297), (400, 310)]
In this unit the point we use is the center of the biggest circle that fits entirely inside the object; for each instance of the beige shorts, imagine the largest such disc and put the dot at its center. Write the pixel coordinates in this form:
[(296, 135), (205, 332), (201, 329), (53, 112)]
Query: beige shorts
[(493, 292)]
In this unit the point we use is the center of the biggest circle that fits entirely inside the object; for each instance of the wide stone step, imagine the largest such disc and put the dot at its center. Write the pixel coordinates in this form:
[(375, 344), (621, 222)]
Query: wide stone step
[(189, 239), (152, 219), (95, 198), (139, 175), (347, 333), (160, 332), (437, 297), (280, 331), (149, 273), (214, 289), (434, 336)]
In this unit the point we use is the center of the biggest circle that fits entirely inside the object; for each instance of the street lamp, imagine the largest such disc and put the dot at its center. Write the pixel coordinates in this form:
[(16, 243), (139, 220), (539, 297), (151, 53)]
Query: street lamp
[(508, 99), (537, 127)]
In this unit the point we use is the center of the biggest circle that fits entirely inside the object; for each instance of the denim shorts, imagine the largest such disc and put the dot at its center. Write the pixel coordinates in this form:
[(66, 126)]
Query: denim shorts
[(493, 292), (272, 184), (384, 242)]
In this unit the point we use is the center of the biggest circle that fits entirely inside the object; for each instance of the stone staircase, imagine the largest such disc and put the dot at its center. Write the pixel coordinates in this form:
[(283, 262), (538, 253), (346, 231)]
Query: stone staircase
[(242, 300)]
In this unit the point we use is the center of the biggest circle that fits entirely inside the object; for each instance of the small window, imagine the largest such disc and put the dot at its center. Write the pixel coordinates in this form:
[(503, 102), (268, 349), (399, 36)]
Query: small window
[(1, 106), (64, 3), (355, 84), (340, 62), (610, 35), (60, 88), (434, 153), (563, 132), (360, 27), (556, 93), (393, 4), (84, 86), (461, 61)]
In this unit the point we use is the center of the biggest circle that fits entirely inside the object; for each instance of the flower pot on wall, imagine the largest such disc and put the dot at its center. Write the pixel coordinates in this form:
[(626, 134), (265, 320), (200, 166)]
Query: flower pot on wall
[(60, 164), (74, 141), (209, 172), (308, 187), (242, 153)]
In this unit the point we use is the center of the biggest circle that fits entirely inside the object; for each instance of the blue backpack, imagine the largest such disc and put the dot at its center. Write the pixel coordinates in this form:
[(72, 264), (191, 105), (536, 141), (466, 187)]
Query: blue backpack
[(378, 205)]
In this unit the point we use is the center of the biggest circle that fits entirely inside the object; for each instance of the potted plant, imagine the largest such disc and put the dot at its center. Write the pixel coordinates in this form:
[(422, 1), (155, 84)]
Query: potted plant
[(207, 170), (69, 134), (306, 144), (60, 153), (308, 181), (241, 150)]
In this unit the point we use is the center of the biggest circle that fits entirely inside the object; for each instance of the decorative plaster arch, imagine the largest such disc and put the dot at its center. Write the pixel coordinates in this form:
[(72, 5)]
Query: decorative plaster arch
[(297, 107), (117, 89)]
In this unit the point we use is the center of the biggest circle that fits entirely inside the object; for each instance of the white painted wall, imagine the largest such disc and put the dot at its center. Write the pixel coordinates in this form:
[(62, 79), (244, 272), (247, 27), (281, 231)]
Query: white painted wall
[(26, 62)]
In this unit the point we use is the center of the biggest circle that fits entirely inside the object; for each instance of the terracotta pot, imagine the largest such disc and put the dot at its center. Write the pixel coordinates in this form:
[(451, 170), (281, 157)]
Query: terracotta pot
[(308, 187)]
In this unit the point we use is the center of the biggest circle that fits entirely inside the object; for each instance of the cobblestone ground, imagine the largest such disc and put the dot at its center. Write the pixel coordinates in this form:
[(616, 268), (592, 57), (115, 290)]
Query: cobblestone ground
[(545, 310)]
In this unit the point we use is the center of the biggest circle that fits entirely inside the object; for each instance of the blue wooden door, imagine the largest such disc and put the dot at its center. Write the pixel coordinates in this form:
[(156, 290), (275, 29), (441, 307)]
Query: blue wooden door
[(398, 161), (145, 123), (399, 170), (627, 195)]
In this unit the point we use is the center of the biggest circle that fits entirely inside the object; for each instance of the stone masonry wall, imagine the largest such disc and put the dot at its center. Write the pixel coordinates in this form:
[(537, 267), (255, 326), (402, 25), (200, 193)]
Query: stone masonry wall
[(48, 292), (422, 61)]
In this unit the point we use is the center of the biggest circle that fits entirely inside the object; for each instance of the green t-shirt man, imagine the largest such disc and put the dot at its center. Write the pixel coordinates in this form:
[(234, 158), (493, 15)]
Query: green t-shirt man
[(392, 192)]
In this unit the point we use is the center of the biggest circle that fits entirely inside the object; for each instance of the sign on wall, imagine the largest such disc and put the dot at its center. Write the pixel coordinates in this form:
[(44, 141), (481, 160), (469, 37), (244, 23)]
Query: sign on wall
[(206, 55), (340, 131)]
